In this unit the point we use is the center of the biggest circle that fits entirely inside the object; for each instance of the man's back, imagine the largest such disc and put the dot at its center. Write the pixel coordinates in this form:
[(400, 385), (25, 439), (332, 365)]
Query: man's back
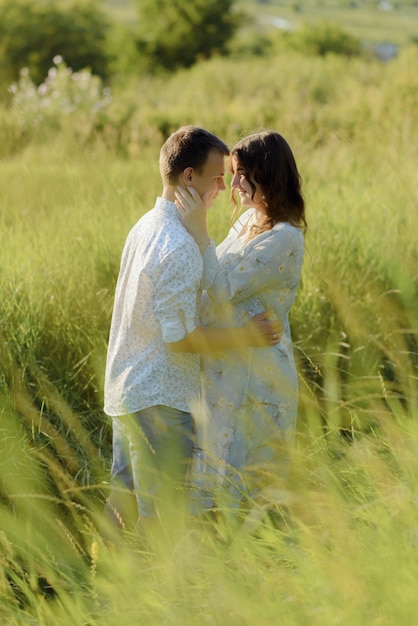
[(156, 302)]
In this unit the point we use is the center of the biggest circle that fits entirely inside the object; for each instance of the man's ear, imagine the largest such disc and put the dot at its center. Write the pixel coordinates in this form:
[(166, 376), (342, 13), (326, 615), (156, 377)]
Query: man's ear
[(187, 176)]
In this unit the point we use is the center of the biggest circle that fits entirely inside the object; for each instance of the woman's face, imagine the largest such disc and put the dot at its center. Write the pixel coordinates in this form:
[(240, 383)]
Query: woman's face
[(245, 187)]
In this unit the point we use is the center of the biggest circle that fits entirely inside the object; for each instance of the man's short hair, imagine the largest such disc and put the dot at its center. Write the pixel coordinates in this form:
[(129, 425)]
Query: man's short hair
[(188, 146)]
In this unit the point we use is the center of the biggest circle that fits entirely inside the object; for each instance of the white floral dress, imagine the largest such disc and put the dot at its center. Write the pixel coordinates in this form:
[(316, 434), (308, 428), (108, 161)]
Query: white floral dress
[(249, 396)]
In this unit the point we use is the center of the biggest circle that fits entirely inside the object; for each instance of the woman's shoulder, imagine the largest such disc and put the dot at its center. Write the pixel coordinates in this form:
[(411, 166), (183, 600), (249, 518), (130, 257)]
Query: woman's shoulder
[(287, 229), (287, 226)]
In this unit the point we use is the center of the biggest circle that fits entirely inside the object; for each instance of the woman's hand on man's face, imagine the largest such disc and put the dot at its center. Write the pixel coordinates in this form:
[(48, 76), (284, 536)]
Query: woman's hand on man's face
[(188, 200), (192, 210)]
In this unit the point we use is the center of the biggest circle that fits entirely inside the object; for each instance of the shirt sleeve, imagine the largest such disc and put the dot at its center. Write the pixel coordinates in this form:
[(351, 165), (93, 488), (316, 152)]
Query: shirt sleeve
[(177, 292), (271, 262)]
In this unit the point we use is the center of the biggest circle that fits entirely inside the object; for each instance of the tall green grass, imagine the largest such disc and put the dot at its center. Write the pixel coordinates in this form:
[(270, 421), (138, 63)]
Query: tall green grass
[(338, 544)]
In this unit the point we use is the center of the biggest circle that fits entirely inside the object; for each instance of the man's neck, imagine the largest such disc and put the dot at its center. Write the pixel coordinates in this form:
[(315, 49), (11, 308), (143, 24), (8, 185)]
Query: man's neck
[(168, 194)]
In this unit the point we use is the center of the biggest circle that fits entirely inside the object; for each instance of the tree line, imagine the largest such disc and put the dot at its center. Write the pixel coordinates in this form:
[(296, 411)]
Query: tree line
[(167, 35)]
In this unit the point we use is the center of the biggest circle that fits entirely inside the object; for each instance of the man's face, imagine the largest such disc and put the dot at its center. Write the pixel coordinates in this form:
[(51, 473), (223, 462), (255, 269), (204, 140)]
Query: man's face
[(210, 181)]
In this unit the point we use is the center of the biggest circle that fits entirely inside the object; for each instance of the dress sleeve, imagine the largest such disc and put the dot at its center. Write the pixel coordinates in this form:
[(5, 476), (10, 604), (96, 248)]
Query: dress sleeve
[(210, 265), (176, 293), (269, 261)]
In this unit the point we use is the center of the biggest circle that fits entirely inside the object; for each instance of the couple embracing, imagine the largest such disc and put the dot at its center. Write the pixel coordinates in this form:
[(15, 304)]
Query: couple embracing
[(200, 362)]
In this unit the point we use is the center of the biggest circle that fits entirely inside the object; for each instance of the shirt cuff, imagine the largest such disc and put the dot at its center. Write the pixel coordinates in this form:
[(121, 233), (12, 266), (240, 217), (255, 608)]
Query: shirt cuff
[(210, 265)]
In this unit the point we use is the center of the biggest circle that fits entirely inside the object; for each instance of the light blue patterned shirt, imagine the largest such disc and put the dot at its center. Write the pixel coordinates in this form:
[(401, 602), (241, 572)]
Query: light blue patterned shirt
[(157, 302)]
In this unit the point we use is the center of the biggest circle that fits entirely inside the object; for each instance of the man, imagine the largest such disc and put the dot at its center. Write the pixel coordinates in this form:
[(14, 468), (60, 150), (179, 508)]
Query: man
[(152, 368)]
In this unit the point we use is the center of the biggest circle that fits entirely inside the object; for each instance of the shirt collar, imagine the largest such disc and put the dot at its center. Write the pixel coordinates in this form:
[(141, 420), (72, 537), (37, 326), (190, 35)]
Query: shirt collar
[(168, 207)]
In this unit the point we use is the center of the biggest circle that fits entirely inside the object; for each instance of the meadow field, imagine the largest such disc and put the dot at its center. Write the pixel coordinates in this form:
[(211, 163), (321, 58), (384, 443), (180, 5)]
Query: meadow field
[(338, 544)]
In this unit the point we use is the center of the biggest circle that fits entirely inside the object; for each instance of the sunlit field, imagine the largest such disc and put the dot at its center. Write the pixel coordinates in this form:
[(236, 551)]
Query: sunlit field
[(337, 545)]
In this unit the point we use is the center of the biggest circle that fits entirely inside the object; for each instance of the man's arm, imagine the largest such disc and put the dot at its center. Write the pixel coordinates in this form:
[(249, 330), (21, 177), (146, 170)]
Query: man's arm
[(260, 331)]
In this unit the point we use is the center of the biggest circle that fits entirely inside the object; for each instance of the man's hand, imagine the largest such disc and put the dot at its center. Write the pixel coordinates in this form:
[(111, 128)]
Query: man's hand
[(260, 331), (264, 330)]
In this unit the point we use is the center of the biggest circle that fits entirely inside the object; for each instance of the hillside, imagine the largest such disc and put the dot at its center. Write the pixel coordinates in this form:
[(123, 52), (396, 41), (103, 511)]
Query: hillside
[(374, 22)]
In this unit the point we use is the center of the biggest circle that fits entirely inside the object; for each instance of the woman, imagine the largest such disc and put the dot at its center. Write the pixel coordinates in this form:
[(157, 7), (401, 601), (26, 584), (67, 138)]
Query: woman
[(249, 396)]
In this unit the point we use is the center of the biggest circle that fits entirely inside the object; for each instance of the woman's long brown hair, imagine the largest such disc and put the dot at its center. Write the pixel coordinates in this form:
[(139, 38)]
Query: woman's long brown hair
[(267, 159)]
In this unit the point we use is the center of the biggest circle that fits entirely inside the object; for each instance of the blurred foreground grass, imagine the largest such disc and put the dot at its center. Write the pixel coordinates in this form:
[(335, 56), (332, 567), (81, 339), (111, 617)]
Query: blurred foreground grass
[(337, 545)]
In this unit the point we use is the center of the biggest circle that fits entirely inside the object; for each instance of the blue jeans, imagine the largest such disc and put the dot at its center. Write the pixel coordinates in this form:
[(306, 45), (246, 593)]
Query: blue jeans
[(152, 451)]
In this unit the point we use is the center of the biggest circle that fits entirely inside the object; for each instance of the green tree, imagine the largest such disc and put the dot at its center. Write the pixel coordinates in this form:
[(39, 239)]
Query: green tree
[(177, 33), (33, 33)]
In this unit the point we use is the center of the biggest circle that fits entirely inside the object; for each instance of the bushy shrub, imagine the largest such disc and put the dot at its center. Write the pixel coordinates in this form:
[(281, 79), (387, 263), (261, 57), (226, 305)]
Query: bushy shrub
[(323, 38), (32, 33), (64, 96)]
